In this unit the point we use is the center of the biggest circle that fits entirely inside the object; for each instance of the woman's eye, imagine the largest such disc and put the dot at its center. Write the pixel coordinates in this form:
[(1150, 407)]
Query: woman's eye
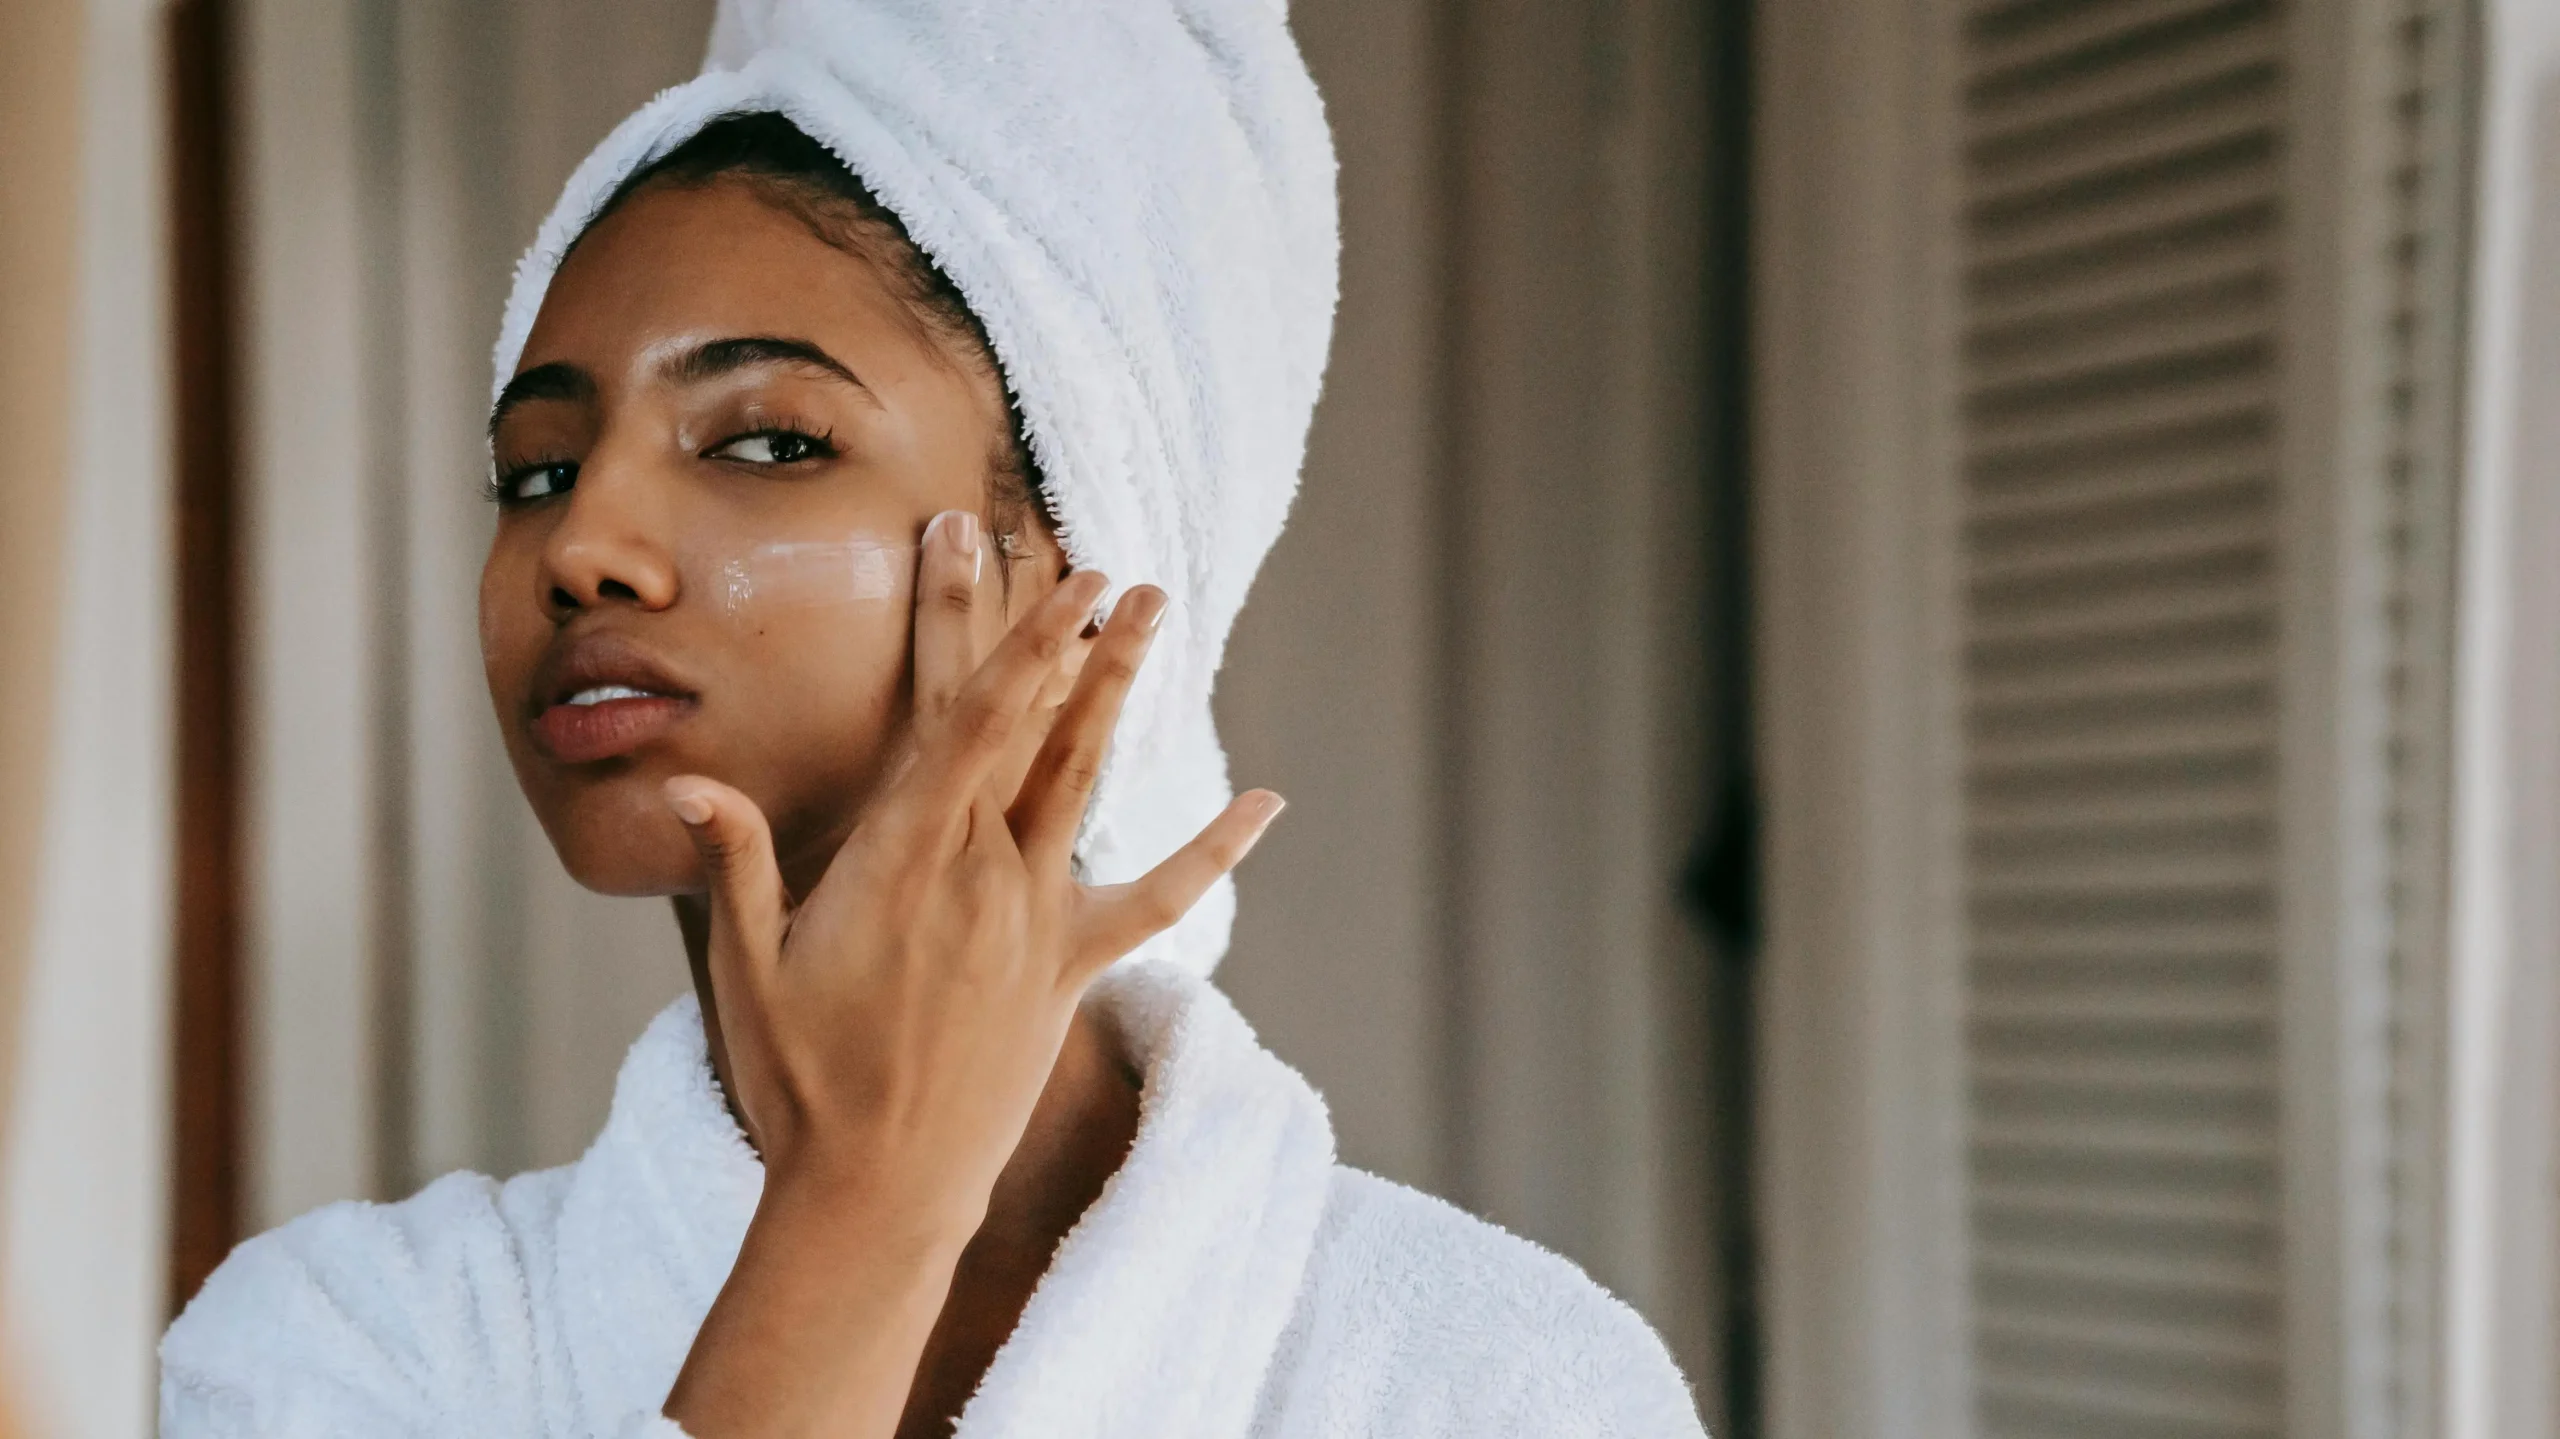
[(527, 483), (774, 447)]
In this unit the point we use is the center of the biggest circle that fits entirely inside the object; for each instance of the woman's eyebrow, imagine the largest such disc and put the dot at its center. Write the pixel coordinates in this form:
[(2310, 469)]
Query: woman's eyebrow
[(558, 380), (714, 358)]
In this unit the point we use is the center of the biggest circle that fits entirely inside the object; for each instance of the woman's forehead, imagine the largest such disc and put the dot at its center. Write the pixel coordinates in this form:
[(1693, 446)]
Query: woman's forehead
[(704, 261)]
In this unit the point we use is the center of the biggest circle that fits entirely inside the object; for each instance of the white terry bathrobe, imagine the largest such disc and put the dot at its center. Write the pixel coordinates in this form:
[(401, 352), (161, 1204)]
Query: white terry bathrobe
[(1136, 198)]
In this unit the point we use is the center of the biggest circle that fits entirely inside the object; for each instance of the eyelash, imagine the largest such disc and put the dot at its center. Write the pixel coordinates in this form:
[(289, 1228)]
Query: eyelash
[(820, 439), (502, 485)]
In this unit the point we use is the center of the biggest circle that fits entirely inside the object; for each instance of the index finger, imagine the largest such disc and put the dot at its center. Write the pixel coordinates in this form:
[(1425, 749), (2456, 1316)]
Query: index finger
[(963, 745), (950, 570)]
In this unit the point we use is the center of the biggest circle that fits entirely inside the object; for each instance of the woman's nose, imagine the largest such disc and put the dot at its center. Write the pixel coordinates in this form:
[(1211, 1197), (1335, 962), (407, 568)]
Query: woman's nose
[(612, 547)]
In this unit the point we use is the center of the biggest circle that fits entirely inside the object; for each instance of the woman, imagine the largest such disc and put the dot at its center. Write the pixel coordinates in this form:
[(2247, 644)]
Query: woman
[(834, 387)]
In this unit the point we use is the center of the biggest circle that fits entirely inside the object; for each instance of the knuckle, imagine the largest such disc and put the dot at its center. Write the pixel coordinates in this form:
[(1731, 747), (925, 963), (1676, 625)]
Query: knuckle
[(957, 595), (1079, 772), (723, 848), (982, 722), (1047, 645), (1158, 909), (1118, 669)]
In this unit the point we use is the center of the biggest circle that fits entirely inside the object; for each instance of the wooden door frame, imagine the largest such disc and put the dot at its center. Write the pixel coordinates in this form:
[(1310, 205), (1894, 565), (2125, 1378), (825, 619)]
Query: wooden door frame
[(206, 1112)]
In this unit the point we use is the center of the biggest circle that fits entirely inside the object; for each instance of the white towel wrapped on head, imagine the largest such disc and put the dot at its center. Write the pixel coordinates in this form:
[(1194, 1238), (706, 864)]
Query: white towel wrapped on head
[(1136, 197)]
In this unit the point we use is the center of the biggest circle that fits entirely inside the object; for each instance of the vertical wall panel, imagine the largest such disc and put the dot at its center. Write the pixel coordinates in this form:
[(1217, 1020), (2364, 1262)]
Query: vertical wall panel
[(85, 1245), (312, 609)]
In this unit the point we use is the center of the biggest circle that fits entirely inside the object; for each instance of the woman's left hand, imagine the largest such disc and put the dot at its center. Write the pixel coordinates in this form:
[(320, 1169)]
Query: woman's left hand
[(887, 1040)]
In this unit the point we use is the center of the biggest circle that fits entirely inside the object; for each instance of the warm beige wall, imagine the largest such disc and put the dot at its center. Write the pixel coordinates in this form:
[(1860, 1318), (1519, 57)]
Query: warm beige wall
[(84, 739), (40, 44), (39, 172)]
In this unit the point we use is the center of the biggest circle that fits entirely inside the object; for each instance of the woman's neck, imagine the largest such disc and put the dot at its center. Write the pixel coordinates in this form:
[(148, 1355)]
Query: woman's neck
[(1079, 1134)]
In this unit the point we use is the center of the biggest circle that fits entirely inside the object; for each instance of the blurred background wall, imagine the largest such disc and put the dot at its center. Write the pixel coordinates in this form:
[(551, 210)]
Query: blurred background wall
[(85, 719)]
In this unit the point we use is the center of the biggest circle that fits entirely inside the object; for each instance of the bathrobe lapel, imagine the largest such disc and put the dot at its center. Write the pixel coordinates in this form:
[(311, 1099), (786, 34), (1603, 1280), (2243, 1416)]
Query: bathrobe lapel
[(1160, 1313)]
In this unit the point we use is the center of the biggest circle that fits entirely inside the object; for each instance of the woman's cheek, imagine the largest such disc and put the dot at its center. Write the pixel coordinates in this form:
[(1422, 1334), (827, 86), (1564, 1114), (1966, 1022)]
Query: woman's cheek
[(843, 671)]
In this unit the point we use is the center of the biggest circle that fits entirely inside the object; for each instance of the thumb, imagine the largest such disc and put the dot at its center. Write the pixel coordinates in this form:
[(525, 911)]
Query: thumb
[(736, 847)]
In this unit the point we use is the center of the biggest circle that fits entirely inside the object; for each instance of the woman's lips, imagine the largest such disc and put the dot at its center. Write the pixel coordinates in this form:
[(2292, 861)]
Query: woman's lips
[(606, 694), (605, 722)]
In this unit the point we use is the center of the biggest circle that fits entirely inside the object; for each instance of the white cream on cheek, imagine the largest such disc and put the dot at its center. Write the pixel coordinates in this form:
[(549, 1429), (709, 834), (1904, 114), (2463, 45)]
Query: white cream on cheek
[(860, 569)]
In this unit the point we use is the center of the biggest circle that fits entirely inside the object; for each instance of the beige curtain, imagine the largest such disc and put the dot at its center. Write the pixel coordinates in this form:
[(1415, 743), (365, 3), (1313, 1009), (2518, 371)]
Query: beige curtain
[(39, 169), (39, 172)]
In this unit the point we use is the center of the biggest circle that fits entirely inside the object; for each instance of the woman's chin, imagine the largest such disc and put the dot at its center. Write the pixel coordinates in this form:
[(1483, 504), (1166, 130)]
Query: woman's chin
[(642, 857), (622, 883)]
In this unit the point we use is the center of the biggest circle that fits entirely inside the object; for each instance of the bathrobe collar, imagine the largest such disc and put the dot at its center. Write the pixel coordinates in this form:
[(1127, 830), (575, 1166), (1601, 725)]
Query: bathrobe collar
[(1163, 1306)]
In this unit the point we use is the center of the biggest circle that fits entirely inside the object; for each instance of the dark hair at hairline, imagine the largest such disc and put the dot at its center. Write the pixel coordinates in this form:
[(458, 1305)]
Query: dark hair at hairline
[(793, 172)]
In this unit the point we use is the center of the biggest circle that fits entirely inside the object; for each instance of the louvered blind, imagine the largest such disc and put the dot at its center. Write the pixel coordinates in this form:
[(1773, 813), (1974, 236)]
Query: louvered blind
[(2120, 252)]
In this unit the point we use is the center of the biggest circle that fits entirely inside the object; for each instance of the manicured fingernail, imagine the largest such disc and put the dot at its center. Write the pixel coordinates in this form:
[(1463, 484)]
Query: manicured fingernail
[(1268, 807), (959, 530), (1147, 607), (691, 805)]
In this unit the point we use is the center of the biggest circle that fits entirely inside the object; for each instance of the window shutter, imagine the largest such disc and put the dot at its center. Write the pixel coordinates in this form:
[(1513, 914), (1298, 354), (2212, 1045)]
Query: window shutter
[(2121, 431), (2121, 252), (2123, 278)]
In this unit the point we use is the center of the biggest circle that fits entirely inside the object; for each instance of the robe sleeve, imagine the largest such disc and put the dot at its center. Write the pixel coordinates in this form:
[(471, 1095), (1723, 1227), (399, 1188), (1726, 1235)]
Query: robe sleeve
[(413, 1320)]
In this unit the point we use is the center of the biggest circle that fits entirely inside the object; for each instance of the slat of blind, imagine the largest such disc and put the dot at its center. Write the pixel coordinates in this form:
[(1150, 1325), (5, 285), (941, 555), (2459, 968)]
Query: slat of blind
[(2213, 72), (2073, 412), (2056, 294), (2062, 509), (2214, 869), (2088, 1334), (2122, 163), (2217, 441), (2043, 45), (2091, 692), (2099, 158), (2156, 1282), (2143, 327), (2207, 214), (2115, 1409), (2128, 553), (2134, 627), (2223, 934), (2120, 1204)]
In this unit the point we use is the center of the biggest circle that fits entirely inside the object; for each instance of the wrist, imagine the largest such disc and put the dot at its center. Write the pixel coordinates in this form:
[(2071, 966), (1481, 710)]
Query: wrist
[(838, 1206)]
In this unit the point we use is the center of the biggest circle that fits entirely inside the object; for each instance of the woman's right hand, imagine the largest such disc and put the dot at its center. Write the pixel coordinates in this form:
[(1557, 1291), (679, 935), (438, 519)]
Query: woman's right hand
[(887, 1040)]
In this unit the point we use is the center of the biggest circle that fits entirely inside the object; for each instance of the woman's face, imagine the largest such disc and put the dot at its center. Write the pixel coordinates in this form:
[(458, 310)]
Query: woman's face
[(720, 448)]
